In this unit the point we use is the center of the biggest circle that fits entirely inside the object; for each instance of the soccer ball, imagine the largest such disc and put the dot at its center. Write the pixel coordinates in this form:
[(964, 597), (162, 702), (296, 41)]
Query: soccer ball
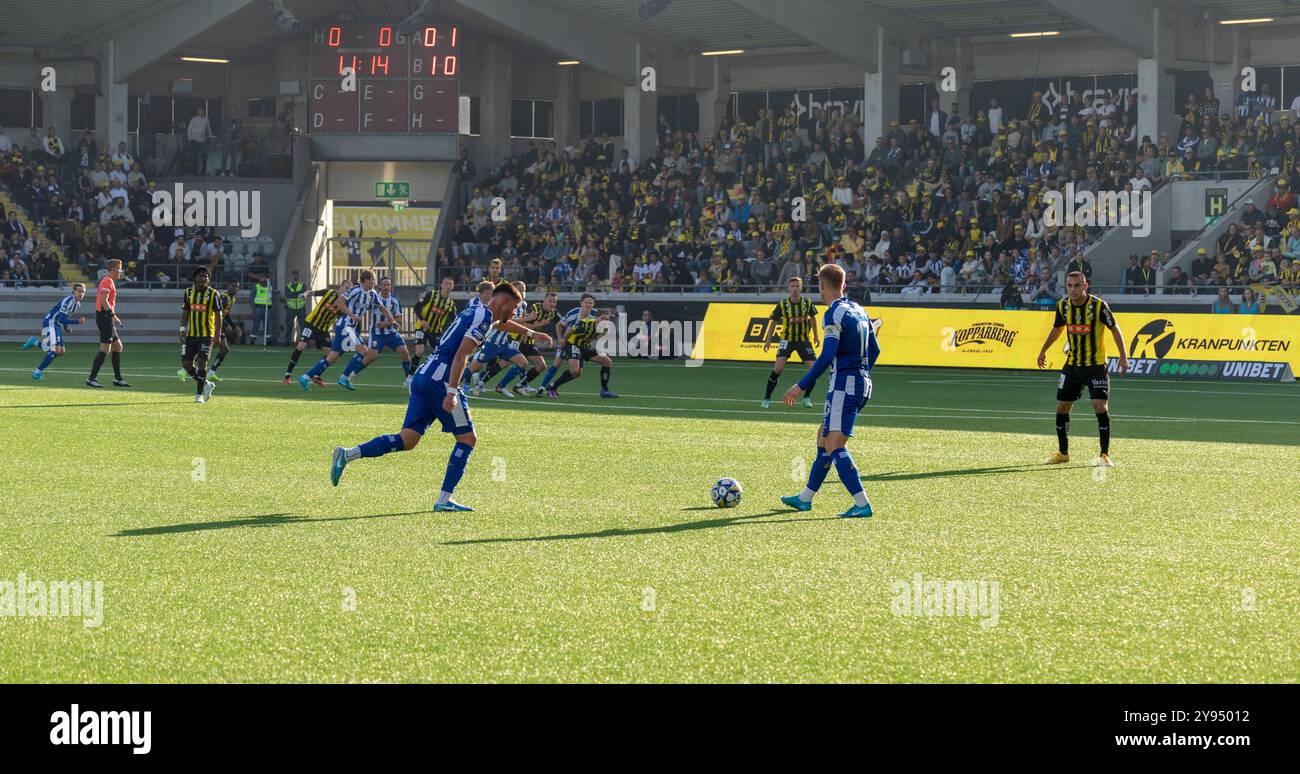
[(726, 493)]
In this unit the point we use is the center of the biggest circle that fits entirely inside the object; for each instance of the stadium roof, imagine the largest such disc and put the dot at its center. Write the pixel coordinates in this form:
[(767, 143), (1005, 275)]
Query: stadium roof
[(62, 23)]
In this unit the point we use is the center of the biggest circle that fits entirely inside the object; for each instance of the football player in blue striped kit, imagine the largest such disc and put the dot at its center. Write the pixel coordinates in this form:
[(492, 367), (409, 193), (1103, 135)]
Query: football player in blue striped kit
[(499, 346), (382, 334), (436, 393), (53, 324), (850, 350), (352, 305)]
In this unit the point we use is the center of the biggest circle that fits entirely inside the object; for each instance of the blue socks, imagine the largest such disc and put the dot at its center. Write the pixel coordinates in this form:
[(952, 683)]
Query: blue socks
[(455, 467), (407, 368), (319, 368), (546, 379), (378, 447), (849, 475), (820, 467), (355, 366), (45, 362), (511, 372)]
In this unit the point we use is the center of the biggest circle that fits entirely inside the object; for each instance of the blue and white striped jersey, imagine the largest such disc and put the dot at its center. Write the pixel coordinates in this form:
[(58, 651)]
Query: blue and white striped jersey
[(360, 301), (848, 341), (474, 322), (62, 312), (377, 318), (499, 337)]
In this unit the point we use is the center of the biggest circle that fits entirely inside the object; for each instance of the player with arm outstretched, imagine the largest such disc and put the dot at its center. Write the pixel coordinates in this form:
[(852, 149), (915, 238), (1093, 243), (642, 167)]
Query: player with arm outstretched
[(849, 350), (53, 325), (1081, 316), (316, 327), (436, 394), (383, 334), (544, 315), (352, 306)]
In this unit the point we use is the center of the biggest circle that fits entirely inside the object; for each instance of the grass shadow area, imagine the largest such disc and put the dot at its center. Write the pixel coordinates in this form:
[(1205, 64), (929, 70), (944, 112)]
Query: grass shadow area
[(264, 520), (667, 529)]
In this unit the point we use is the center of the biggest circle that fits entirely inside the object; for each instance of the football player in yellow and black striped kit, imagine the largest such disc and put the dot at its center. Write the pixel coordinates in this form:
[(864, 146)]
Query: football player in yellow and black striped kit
[(1081, 316), (316, 328), (579, 328), (543, 315), (201, 312), (433, 312), (797, 318)]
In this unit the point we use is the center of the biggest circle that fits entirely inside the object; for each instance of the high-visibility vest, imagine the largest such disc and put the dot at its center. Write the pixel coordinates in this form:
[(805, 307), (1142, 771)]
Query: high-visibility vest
[(261, 294), (293, 296)]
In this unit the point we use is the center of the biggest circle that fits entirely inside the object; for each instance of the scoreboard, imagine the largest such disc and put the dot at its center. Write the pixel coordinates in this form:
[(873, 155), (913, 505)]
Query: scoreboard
[(405, 84)]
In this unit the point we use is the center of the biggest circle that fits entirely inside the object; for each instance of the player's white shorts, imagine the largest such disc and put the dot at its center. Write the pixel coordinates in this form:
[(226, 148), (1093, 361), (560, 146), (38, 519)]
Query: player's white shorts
[(849, 391), (51, 337)]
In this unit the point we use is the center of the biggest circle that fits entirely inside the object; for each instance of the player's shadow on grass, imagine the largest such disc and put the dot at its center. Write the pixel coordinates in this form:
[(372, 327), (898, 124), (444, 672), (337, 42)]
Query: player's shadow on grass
[(733, 521), (958, 472), (265, 520)]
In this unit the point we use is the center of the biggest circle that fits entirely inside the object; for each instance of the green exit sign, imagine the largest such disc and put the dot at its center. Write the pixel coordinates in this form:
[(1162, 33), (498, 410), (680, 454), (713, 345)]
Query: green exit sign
[(389, 190)]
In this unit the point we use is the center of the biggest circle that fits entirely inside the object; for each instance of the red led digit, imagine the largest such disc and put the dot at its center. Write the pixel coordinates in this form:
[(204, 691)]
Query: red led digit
[(336, 36), (385, 36), (449, 65), (430, 37), (378, 63)]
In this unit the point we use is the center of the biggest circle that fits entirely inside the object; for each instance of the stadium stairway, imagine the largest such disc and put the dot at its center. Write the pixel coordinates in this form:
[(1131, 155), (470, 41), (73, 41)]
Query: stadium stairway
[(147, 315), (70, 272), (1208, 237)]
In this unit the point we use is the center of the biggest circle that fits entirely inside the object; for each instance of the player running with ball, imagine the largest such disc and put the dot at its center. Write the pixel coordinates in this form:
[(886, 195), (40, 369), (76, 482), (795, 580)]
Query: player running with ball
[(436, 393), (850, 350)]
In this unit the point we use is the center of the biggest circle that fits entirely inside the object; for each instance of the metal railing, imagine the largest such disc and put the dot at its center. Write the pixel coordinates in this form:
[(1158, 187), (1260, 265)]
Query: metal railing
[(402, 260)]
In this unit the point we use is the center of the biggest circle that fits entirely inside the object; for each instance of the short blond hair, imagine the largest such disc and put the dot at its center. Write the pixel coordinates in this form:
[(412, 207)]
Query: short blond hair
[(485, 285), (831, 274)]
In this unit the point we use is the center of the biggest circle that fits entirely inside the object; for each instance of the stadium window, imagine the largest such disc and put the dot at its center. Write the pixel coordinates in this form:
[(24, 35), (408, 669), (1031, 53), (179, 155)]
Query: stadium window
[(530, 118), (261, 107), (83, 112), (748, 103), (156, 117), (607, 117), (586, 118), (473, 116)]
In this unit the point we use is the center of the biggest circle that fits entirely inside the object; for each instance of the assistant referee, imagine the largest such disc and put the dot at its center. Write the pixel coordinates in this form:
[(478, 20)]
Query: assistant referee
[(1081, 316)]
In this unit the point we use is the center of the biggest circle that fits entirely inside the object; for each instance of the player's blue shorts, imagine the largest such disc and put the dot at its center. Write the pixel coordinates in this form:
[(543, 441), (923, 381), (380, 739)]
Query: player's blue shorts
[(386, 337), (492, 351), (428, 390), (51, 337), (345, 336), (849, 391)]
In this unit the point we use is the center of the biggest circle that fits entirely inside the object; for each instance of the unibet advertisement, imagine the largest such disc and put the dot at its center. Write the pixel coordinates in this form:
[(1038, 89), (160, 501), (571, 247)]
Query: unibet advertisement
[(993, 338), (383, 222)]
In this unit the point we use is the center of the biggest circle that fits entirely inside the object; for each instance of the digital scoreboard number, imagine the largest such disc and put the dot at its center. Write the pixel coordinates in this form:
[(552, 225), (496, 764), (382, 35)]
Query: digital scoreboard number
[(405, 84)]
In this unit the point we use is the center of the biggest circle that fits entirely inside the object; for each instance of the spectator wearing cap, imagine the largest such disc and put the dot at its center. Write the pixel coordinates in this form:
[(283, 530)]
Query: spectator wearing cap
[(1202, 266)]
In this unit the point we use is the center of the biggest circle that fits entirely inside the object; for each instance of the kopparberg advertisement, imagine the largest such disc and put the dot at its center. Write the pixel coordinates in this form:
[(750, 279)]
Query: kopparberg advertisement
[(993, 338)]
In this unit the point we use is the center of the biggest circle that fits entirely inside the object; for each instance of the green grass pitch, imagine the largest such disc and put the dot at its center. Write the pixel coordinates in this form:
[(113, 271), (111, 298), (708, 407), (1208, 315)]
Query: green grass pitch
[(595, 555)]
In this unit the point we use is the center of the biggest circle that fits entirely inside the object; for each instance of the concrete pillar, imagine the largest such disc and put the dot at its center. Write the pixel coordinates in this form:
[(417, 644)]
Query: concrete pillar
[(965, 65), (56, 111), (880, 89), (1227, 76), (111, 104), (1157, 112), (713, 101), (567, 118), (494, 106), (640, 109)]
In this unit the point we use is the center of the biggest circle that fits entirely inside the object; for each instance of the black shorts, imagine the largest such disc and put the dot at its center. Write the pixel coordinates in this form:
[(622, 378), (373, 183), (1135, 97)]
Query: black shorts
[(804, 348), (417, 337), (107, 333), (313, 336), (196, 348), (529, 350), (577, 352), (1074, 378), (228, 328)]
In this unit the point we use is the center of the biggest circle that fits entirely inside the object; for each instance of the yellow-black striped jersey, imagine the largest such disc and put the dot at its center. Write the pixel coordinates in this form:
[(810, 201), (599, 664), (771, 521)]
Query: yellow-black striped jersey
[(1084, 328), (434, 311), (324, 314), (541, 320), (202, 308), (796, 318), (582, 332)]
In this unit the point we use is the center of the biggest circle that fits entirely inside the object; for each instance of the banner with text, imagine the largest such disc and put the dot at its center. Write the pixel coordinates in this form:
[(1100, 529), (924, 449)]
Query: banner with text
[(993, 338), (382, 222)]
